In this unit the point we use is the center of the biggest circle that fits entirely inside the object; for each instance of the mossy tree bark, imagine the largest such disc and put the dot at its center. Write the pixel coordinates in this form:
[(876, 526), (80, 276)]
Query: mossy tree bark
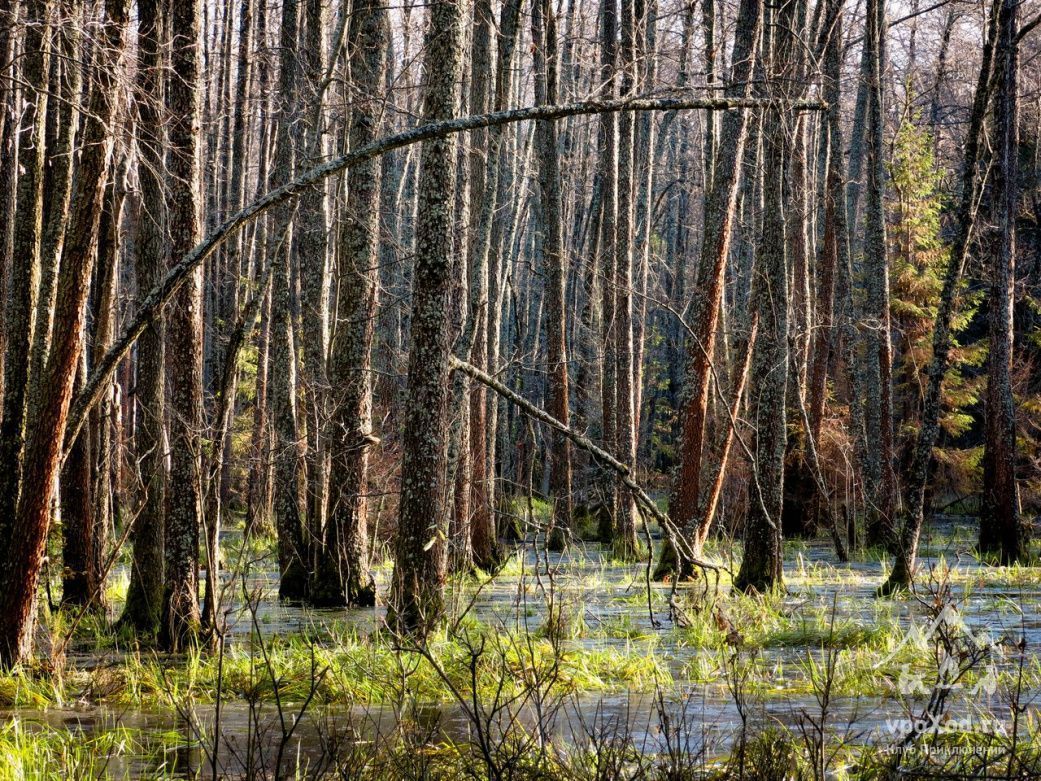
[(417, 586)]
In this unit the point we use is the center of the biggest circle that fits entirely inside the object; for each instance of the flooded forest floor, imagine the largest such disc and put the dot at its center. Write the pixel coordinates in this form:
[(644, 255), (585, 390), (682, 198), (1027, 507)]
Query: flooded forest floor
[(569, 666)]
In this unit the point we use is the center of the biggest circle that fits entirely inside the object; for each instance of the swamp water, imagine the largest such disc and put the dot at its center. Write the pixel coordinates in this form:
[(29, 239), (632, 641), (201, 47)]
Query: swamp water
[(300, 689)]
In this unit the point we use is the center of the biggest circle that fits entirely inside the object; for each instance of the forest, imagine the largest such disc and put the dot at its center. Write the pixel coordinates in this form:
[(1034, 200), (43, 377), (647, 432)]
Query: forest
[(520, 390)]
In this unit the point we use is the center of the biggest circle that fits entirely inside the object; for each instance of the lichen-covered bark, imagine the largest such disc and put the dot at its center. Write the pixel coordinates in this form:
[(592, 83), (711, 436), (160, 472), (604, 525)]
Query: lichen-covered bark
[(342, 576), (180, 620), (419, 566)]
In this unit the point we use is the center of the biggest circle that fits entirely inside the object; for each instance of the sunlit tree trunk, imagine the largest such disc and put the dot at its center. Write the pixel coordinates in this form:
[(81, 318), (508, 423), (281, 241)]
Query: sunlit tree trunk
[(720, 206), (342, 575), (24, 276), (419, 547), (22, 558), (183, 337)]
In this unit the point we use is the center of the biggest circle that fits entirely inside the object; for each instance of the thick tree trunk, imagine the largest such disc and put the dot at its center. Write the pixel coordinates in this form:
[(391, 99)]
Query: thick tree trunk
[(1001, 531), (180, 621), (761, 562), (342, 576), (419, 546), (22, 558), (144, 598), (24, 277)]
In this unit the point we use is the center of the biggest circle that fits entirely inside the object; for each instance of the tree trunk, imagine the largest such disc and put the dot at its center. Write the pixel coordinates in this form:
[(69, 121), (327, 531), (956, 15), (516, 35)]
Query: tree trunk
[(282, 384), (719, 216), (1001, 532), (419, 566), (143, 608), (761, 563), (23, 557), (554, 261), (180, 620), (918, 477), (24, 277), (342, 576), (878, 360)]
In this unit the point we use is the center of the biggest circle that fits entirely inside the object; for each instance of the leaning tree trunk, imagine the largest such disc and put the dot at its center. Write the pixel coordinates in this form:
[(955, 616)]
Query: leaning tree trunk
[(342, 576), (721, 202), (918, 477), (1001, 532), (22, 558), (180, 619), (417, 586)]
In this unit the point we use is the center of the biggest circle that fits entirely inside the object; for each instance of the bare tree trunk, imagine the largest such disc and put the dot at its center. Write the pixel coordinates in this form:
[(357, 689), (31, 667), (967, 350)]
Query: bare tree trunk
[(23, 557), (342, 576), (608, 156), (180, 620), (77, 515), (24, 277), (310, 237), (1001, 531), (761, 562), (625, 543), (544, 34), (719, 215), (419, 566), (878, 361), (143, 607), (282, 384)]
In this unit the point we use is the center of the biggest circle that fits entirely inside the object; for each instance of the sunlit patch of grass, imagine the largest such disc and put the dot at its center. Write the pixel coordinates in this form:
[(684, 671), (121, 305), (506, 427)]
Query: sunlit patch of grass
[(31, 752)]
